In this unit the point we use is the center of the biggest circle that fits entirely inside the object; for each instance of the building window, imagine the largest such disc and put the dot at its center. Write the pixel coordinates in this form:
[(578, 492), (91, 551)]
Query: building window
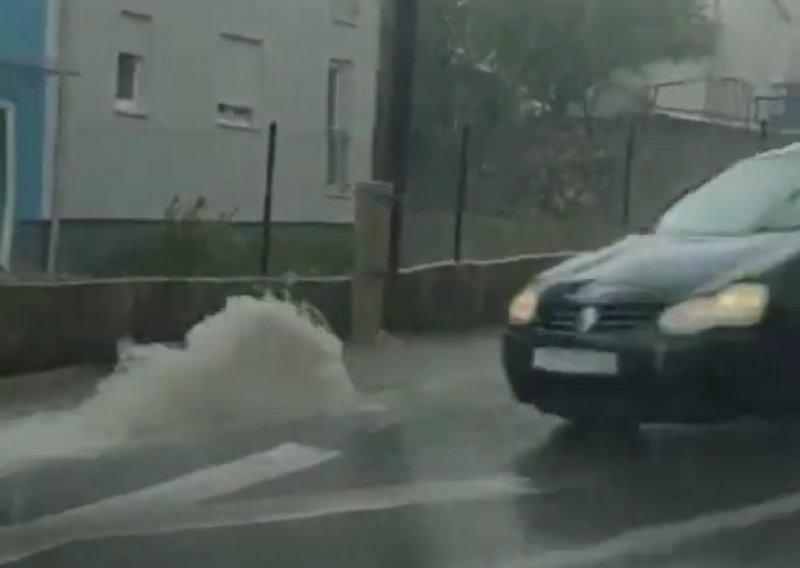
[(129, 77), (346, 11), (340, 105), (240, 77), (235, 114), (134, 39)]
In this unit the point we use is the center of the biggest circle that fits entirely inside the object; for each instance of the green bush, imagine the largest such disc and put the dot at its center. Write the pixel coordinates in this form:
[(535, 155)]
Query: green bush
[(186, 244)]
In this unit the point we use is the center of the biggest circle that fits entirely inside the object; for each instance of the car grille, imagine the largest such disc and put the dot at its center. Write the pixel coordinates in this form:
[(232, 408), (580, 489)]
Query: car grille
[(564, 317)]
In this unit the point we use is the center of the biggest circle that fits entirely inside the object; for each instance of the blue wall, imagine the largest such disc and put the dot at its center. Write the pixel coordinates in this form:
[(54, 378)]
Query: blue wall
[(23, 25)]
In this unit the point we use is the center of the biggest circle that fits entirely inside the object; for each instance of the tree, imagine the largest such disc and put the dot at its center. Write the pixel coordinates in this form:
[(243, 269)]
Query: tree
[(552, 52)]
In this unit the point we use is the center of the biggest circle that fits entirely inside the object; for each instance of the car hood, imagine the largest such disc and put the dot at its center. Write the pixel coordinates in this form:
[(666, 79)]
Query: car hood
[(666, 268)]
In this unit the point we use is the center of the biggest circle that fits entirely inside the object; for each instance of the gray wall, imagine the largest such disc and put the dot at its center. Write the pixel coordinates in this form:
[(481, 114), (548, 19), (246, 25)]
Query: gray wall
[(120, 167), (48, 325)]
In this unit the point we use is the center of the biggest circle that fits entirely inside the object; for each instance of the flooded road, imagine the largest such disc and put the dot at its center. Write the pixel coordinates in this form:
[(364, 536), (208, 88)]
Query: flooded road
[(436, 466)]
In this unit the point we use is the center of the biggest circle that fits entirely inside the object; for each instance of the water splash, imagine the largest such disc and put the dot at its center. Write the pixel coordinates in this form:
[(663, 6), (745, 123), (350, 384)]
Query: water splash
[(256, 360)]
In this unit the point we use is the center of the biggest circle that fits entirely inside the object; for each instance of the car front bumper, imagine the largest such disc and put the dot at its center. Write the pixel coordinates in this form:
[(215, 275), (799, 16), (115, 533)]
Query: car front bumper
[(706, 378)]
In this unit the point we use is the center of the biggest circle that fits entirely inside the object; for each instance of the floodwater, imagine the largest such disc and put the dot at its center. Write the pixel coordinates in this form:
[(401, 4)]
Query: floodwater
[(247, 448), (257, 360)]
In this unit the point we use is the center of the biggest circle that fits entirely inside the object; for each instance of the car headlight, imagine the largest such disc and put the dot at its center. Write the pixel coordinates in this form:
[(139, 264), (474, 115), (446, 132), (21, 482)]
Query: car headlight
[(522, 310), (740, 305)]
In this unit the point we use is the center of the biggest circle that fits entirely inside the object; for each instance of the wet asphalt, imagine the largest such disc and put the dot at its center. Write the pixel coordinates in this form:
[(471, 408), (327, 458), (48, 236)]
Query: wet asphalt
[(441, 468)]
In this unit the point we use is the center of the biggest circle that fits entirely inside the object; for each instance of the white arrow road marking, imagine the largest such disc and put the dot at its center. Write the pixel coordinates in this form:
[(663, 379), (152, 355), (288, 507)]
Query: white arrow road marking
[(663, 538), (177, 506), (95, 523), (84, 522), (294, 508)]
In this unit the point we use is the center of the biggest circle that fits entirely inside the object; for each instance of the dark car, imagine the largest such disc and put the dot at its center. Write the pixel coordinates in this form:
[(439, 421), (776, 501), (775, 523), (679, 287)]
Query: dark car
[(695, 320)]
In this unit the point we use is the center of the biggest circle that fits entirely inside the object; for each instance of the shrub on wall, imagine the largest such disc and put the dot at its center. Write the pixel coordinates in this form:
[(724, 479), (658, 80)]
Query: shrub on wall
[(187, 243)]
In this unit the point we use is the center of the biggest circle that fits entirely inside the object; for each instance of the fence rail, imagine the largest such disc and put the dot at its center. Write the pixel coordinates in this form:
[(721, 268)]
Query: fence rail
[(548, 185)]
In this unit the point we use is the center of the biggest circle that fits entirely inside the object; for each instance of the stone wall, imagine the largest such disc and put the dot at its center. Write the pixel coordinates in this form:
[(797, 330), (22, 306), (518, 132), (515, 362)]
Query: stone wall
[(49, 325), (44, 326), (447, 296)]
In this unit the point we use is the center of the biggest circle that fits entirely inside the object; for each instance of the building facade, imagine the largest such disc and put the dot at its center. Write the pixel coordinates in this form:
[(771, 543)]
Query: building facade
[(173, 99), (752, 74), (754, 61), (25, 71)]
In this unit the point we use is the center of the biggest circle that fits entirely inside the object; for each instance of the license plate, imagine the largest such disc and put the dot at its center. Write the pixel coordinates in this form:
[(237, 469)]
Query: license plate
[(576, 361)]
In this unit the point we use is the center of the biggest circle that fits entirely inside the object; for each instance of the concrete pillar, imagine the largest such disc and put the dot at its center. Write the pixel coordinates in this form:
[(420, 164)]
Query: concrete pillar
[(372, 230)]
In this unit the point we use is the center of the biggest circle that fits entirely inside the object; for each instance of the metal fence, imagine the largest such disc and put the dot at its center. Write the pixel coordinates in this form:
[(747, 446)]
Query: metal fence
[(548, 187), (489, 178)]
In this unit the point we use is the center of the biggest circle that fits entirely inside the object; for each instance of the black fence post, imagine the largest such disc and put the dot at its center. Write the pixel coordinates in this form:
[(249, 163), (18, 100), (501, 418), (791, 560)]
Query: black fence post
[(763, 135), (630, 149), (266, 244), (461, 195)]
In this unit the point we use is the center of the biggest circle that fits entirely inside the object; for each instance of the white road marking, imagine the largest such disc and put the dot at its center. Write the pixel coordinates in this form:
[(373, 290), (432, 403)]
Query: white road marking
[(178, 506), (663, 538), (84, 522), (295, 508), (24, 541)]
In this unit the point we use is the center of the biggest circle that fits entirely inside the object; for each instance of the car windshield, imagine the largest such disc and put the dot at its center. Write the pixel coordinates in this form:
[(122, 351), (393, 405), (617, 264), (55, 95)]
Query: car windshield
[(756, 195)]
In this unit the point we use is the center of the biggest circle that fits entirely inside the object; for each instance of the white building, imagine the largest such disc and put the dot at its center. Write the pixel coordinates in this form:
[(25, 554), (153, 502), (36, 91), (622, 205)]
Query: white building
[(175, 98), (754, 65)]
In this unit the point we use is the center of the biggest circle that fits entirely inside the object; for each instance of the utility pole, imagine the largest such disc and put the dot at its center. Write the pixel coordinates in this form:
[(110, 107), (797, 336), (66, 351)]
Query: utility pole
[(395, 110)]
